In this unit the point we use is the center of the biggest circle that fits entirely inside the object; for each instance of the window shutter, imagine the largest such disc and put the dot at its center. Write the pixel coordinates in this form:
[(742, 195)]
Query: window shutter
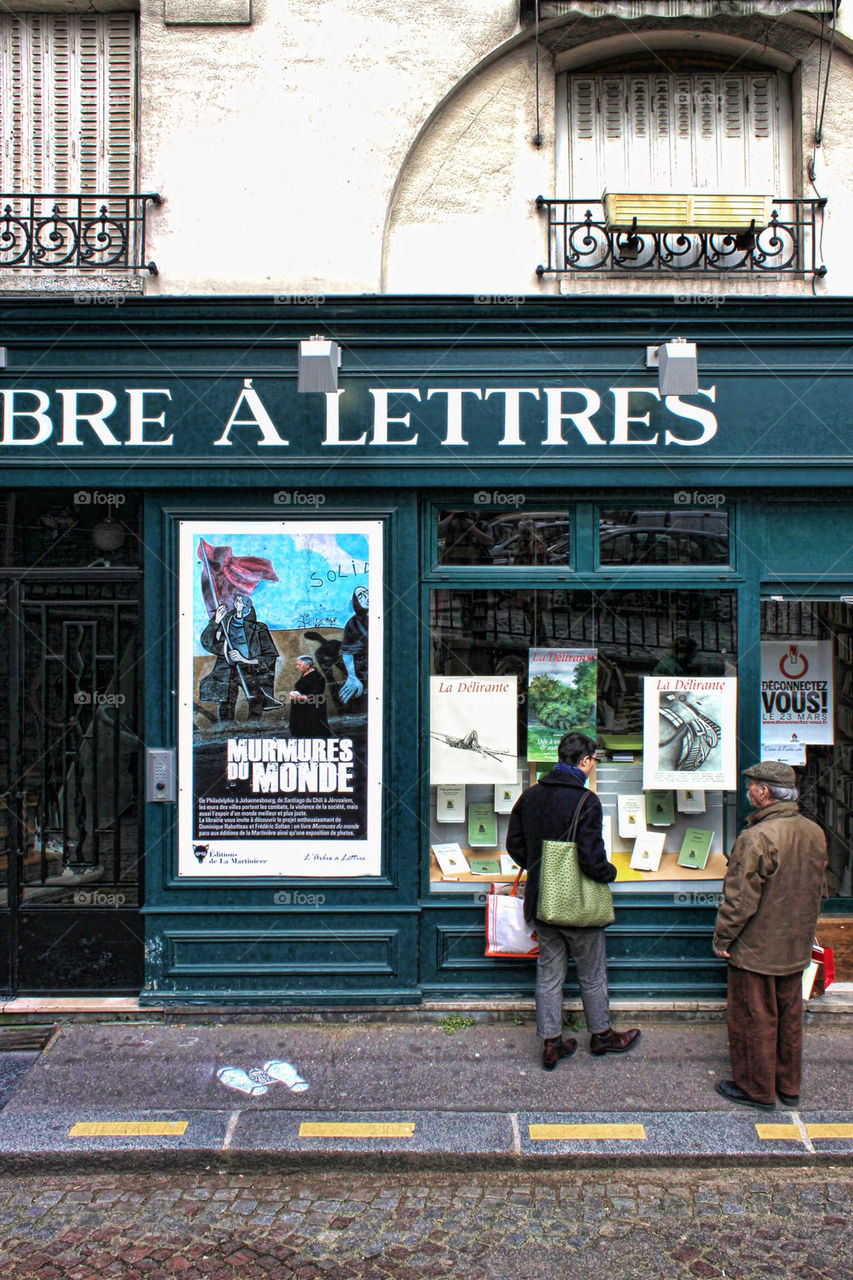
[(684, 132), (67, 102)]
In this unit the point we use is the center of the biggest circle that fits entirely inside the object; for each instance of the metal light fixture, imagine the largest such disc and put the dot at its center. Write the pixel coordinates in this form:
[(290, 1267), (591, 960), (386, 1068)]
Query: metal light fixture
[(319, 361), (677, 366), (2, 357)]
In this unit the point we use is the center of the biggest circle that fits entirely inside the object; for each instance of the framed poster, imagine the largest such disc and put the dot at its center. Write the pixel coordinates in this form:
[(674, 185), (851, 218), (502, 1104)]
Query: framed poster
[(280, 698), (690, 733), (796, 692)]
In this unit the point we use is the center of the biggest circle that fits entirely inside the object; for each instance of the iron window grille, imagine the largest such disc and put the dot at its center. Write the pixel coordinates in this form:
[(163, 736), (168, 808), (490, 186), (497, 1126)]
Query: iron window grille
[(580, 240), (60, 232)]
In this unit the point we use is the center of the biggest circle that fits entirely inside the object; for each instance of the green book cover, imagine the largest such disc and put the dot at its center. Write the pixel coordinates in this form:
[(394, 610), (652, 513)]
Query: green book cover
[(660, 809), (484, 866), (482, 825), (695, 848)]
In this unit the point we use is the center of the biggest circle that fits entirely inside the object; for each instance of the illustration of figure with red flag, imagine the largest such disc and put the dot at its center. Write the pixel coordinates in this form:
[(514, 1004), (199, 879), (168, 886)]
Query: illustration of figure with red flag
[(245, 651)]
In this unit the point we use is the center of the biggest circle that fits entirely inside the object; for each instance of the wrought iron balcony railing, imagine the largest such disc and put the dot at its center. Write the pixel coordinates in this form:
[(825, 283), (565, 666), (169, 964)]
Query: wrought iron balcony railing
[(579, 240), (60, 232)]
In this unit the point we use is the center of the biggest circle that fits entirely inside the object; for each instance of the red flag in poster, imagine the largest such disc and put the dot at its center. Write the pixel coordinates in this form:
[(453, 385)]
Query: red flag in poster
[(225, 576)]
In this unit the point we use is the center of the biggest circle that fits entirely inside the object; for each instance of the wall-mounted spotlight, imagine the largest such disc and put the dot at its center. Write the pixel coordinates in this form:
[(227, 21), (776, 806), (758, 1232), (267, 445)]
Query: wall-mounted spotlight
[(677, 366), (2, 357), (319, 361)]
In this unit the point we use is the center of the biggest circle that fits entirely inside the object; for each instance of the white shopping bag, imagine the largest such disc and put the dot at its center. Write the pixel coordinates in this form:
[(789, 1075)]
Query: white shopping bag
[(508, 934)]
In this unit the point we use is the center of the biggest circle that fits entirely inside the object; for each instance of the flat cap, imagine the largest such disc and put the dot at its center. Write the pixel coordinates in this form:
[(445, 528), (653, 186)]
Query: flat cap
[(774, 772)]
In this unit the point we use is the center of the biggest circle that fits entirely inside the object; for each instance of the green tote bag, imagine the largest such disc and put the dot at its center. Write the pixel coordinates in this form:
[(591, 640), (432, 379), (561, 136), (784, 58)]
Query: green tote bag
[(567, 896)]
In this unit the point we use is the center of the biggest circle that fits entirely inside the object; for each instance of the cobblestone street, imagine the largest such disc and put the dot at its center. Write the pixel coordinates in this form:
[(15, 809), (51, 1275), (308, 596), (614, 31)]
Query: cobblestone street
[(651, 1223)]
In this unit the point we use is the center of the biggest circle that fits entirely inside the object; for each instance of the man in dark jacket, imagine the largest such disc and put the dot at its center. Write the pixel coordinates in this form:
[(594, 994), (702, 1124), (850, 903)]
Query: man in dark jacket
[(772, 893), (546, 812)]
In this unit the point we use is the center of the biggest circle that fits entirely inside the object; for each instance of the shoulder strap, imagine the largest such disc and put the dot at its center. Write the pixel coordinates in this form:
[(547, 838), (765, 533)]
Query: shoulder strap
[(573, 830)]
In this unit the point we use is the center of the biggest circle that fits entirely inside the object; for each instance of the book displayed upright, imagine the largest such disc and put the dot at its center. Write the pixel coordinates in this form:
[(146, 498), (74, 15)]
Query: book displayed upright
[(648, 849), (695, 848)]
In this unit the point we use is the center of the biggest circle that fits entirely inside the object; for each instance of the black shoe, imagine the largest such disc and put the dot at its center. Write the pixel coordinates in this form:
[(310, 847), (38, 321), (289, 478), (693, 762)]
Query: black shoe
[(556, 1049), (789, 1099), (729, 1090)]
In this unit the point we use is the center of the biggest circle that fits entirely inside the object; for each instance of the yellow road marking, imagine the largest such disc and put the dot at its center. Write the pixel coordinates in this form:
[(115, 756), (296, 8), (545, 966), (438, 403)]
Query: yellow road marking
[(126, 1128), (829, 1130), (585, 1132), (789, 1132), (356, 1129)]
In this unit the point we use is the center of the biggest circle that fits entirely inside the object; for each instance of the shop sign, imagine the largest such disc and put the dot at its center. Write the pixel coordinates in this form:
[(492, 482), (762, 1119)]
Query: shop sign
[(224, 418), (796, 691), (280, 698)]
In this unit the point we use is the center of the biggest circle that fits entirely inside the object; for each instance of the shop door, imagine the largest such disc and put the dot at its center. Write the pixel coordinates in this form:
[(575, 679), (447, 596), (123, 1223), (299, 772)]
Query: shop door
[(70, 776)]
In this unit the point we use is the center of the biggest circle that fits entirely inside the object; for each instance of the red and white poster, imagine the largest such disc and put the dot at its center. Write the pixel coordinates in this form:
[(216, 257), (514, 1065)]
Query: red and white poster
[(796, 691)]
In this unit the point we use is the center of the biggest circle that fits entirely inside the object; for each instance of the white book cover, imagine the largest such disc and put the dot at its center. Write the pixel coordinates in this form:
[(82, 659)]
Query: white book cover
[(690, 733), (647, 852), (690, 801), (607, 833), (508, 866), (631, 812), (451, 859), (450, 803), (473, 734), (506, 794)]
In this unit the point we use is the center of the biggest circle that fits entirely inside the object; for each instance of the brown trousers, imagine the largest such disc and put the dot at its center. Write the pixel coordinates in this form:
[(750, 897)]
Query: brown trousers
[(765, 1022)]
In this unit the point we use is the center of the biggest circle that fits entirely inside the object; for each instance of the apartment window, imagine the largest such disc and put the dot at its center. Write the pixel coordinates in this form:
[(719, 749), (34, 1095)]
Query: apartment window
[(678, 130), (68, 102)]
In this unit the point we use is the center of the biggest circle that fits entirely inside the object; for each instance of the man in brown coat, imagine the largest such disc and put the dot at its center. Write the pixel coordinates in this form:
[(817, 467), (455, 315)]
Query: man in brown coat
[(765, 928)]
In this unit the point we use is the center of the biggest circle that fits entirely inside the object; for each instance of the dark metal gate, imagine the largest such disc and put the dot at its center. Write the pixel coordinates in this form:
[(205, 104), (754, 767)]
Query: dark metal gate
[(70, 778)]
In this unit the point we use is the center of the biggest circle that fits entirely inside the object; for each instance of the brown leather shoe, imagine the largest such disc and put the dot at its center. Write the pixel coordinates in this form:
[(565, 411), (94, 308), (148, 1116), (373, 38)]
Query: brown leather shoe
[(556, 1049), (613, 1041)]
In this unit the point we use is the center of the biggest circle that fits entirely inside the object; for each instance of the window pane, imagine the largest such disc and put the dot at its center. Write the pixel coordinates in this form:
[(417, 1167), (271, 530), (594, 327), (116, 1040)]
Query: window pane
[(479, 636), (502, 538), (678, 536)]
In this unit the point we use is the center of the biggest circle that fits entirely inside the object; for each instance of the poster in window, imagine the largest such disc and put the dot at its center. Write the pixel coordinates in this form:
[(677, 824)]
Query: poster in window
[(280, 719), (561, 695), (796, 692), (690, 733), (473, 729)]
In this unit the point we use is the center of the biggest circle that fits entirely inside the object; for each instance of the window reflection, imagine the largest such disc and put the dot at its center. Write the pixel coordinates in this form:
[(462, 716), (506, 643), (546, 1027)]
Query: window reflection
[(478, 537)]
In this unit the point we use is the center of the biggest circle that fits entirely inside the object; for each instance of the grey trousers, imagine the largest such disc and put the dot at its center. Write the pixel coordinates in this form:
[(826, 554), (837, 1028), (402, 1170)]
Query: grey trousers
[(586, 948)]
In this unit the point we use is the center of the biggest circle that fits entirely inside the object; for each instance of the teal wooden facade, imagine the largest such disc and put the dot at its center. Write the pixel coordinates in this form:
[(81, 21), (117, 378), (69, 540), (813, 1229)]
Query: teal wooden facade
[(443, 399)]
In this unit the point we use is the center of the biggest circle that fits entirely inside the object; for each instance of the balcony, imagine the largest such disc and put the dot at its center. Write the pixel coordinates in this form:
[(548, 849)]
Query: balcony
[(582, 240), (61, 232)]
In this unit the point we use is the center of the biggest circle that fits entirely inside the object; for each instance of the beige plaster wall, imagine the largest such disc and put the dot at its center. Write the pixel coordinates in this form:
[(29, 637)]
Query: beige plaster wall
[(276, 145), (357, 146)]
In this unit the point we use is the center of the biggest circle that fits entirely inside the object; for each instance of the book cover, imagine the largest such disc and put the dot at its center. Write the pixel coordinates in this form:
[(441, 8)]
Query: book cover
[(506, 794), (451, 859), (450, 803), (631, 813), (607, 833), (484, 866), (691, 801), (695, 848), (473, 736), (482, 825), (660, 809), (648, 848), (509, 867), (561, 696)]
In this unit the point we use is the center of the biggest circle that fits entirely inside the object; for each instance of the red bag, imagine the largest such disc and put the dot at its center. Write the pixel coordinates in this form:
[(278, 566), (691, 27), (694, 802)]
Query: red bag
[(508, 934), (823, 956)]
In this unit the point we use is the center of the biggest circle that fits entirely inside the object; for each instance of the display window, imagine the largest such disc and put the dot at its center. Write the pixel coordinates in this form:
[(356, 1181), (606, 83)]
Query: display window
[(649, 673), (807, 715)]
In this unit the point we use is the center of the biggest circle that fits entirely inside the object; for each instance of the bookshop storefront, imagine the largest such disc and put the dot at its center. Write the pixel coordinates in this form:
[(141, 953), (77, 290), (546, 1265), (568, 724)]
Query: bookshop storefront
[(278, 663)]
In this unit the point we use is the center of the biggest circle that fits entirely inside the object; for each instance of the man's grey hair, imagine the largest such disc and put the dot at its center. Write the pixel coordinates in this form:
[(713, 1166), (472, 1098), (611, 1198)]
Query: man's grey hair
[(782, 793)]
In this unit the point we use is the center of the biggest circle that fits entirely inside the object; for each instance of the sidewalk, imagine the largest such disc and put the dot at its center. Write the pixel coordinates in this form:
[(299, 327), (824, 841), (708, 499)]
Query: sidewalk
[(458, 1091)]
